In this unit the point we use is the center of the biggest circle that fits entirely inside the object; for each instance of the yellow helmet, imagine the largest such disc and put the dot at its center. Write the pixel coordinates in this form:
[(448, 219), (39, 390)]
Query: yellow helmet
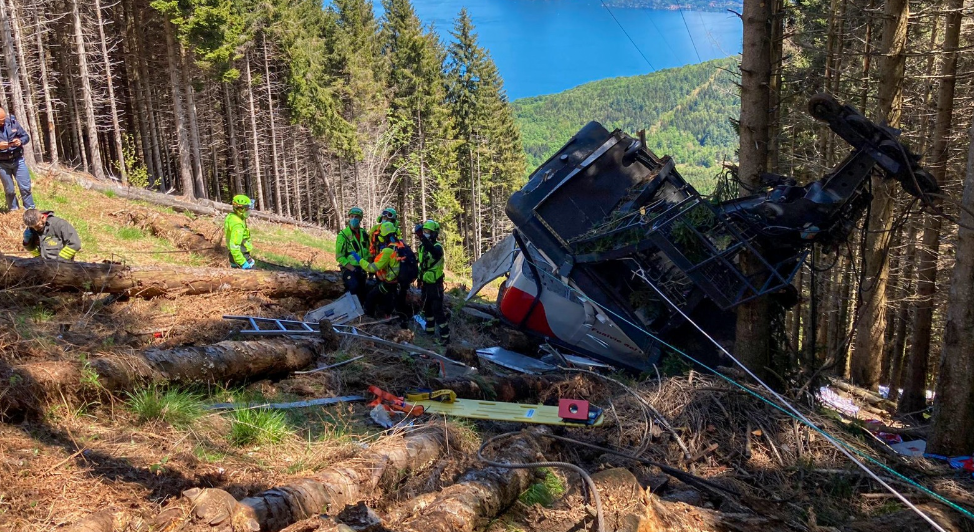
[(386, 229)]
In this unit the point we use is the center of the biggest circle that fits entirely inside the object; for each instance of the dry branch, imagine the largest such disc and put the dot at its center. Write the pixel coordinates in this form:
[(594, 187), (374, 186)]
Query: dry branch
[(152, 281)]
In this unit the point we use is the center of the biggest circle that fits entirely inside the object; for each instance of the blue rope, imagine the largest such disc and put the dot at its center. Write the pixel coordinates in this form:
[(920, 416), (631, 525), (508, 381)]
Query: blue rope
[(967, 513)]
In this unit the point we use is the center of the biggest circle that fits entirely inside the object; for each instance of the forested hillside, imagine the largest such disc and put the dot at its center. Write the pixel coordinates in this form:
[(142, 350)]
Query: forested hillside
[(685, 111), (308, 109), (696, 5)]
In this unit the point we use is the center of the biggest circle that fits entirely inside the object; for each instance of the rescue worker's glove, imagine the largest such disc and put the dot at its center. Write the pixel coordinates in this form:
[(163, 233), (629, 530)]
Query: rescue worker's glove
[(356, 256), (28, 234), (247, 265)]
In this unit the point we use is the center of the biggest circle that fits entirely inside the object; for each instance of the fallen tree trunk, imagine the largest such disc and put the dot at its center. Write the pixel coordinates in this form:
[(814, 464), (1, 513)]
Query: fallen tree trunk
[(29, 387), (865, 395), (181, 236), (200, 206), (368, 476), (153, 281), (477, 497)]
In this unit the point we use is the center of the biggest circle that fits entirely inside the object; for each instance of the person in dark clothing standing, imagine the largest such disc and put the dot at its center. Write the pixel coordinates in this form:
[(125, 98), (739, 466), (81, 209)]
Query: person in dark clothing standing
[(50, 237), (431, 279), (13, 138)]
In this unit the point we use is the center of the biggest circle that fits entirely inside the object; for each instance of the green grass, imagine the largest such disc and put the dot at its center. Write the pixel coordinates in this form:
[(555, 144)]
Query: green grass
[(40, 314), (280, 234), (206, 454), (127, 232), (257, 426), (110, 194), (177, 407), (545, 492)]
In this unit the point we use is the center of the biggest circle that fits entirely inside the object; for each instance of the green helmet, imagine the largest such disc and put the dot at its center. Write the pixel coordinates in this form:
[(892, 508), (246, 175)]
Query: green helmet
[(390, 213), (241, 200), (431, 225), (386, 229), (356, 211)]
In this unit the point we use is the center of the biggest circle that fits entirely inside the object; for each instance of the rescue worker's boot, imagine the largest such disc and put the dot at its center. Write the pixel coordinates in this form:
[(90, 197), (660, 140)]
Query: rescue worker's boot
[(444, 337), (430, 325)]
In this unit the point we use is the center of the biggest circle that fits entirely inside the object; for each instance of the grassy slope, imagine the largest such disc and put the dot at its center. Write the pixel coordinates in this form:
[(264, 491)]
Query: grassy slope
[(105, 236), (685, 112)]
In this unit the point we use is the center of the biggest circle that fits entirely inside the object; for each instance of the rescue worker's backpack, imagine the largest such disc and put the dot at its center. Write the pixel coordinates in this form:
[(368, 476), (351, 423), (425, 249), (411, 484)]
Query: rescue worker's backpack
[(408, 264)]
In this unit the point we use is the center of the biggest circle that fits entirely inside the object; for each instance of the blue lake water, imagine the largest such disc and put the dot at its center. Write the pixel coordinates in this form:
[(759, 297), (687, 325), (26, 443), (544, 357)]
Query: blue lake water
[(547, 46)]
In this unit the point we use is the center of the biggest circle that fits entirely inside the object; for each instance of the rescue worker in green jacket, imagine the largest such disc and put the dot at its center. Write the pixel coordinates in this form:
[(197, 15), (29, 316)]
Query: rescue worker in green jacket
[(50, 237), (386, 269), (431, 279), (389, 214), (352, 239), (238, 234)]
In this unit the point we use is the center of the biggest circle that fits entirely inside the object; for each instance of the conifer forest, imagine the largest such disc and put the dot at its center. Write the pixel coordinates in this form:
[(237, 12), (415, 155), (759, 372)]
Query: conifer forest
[(313, 108)]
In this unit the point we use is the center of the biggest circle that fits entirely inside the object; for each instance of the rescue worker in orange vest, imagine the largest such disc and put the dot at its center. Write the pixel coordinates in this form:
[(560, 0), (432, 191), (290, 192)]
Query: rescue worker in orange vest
[(389, 214), (386, 269), (352, 238)]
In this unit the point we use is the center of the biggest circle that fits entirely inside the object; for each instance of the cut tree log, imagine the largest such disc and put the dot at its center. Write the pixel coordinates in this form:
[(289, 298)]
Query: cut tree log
[(28, 387), (477, 497), (153, 281), (226, 361), (181, 236), (368, 476), (200, 206)]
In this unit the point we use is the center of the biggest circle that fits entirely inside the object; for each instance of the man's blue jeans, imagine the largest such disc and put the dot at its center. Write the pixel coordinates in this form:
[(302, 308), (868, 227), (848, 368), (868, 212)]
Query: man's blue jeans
[(18, 169)]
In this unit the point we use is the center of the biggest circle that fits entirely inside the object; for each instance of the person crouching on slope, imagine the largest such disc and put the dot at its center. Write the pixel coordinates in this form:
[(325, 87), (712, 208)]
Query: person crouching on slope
[(431, 279), (238, 234), (386, 269), (50, 237), (352, 239)]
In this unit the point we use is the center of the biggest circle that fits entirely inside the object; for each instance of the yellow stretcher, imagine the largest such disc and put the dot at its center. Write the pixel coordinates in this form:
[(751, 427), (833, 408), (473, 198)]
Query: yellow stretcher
[(498, 411)]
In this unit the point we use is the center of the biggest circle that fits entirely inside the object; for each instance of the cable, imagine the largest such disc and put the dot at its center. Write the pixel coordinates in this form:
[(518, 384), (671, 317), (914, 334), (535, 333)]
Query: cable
[(687, 26), (840, 446), (599, 516), (636, 46), (844, 448)]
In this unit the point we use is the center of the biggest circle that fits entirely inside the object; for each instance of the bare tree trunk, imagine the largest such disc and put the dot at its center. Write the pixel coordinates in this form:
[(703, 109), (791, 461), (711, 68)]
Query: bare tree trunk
[(297, 181), (232, 137), (36, 147), (116, 129), (182, 135), (13, 72), (914, 387), (194, 126), (753, 344), (46, 88), (422, 163), (867, 357), (953, 408), (275, 163), (255, 171)]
